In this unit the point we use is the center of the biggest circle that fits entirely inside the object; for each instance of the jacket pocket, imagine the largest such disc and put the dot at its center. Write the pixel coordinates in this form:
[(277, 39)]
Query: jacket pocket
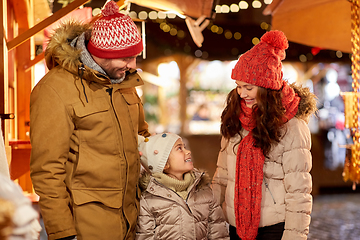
[(111, 199), (98, 105), (131, 98), (133, 101), (268, 188)]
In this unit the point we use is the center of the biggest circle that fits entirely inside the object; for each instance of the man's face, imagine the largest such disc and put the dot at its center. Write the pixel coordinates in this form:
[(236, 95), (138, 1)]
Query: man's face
[(116, 68)]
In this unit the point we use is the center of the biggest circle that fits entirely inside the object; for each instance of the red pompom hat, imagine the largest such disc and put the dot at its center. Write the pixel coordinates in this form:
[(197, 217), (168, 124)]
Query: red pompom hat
[(114, 35), (261, 65)]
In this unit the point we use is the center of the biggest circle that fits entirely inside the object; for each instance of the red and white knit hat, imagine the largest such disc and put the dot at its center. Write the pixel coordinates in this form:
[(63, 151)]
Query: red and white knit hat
[(114, 35), (261, 65)]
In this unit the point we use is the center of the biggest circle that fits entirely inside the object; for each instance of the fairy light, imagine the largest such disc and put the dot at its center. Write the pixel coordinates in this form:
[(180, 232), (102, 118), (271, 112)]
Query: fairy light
[(351, 100), (161, 15), (225, 9), (237, 35), (143, 15), (255, 40), (218, 9), (234, 7), (133, 14), (339, 54), (256, 4), (153, 15), (243, 5), (302, 58)]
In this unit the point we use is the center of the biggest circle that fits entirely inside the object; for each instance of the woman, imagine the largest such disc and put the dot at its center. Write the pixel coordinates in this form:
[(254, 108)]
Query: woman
[(262, 178)]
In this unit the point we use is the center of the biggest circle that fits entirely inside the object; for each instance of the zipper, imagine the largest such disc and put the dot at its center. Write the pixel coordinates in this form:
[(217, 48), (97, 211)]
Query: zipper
[(267, 186), (194, 185), (109, 90)]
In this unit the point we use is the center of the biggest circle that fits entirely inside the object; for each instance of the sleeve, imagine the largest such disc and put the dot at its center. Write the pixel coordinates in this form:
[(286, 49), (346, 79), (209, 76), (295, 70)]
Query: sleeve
[(143, 125), (217, 224), (50, 130), (297, 163), (220, 178), (146, 222)]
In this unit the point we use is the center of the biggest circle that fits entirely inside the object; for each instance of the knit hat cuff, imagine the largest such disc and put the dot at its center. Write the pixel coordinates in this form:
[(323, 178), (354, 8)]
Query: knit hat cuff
[(163, 159), (113, 54)]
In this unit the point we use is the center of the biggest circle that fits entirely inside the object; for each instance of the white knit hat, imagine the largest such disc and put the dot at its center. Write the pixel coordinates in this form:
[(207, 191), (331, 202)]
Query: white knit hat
[(156, 150)]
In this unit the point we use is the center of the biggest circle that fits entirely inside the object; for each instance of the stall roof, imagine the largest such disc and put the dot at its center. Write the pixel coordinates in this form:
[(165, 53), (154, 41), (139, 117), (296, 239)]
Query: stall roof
[(321, 23), (191, 8)]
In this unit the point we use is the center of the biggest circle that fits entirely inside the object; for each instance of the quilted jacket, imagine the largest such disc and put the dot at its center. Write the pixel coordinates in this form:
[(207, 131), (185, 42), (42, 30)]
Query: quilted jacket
[(287, 183), (165, 215)]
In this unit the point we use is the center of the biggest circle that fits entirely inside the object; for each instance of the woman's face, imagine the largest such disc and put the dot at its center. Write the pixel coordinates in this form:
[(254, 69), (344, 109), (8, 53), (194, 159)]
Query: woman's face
[(247, 92)]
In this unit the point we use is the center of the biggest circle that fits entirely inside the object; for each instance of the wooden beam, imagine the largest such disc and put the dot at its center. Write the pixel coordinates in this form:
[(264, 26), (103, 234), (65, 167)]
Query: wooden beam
[(45, 23), (3, 65), (21, 8), (31, 63)]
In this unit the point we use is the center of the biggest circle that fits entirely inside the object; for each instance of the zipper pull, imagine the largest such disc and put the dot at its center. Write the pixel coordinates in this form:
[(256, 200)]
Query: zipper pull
[(109, 91), (267, 186)]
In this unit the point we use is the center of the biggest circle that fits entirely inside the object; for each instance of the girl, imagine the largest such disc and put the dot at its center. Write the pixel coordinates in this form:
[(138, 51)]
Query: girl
[(262, 176), (176, 201)]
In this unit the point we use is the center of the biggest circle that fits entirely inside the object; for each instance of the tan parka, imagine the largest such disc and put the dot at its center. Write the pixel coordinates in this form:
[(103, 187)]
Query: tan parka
[(287, 183), (84, 159), (165, 215)]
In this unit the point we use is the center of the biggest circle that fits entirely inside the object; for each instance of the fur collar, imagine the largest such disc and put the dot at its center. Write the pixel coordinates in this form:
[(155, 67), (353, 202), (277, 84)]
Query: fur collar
[(59, 50), (307, 105)]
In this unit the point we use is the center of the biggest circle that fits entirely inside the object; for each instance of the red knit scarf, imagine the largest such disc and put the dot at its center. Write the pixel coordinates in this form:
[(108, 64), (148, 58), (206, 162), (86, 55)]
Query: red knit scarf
[(249, 169)]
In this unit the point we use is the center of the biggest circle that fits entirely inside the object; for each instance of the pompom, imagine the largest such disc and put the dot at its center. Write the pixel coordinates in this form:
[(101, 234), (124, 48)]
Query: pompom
[(276, 39), (110, 9)]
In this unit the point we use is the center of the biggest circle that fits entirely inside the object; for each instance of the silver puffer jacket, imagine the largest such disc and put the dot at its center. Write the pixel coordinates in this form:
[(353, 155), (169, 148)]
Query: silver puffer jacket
[(165, 215)]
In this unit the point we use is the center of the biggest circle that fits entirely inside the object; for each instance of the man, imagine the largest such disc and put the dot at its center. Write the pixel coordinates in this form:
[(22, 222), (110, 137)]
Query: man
[(85, 116)]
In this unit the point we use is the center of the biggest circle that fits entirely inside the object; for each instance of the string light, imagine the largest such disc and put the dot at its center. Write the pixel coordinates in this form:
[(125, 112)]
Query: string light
[(153, 15), (234, 8), (302, 58), (256, 4), (351, 100), (225, 9), (243, 5), (143, 15), (339, 54)]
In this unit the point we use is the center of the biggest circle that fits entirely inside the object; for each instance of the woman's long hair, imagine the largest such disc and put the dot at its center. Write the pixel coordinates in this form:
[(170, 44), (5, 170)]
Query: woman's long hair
[(269, 118)]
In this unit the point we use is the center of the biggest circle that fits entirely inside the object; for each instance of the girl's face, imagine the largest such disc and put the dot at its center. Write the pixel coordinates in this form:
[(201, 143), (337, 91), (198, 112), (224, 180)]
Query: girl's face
[(179, 161), (247, 92)]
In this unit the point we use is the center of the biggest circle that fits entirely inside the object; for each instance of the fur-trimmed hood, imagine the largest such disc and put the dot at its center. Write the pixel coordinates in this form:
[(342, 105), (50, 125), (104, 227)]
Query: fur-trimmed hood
[(59, 51), (204, 177), (307, 104)]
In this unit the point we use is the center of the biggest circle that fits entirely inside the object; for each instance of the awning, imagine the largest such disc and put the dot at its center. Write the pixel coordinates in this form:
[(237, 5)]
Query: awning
[(318, 23)]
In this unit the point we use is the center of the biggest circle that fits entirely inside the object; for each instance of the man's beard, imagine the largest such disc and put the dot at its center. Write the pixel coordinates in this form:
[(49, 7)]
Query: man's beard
[(119, 80)]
